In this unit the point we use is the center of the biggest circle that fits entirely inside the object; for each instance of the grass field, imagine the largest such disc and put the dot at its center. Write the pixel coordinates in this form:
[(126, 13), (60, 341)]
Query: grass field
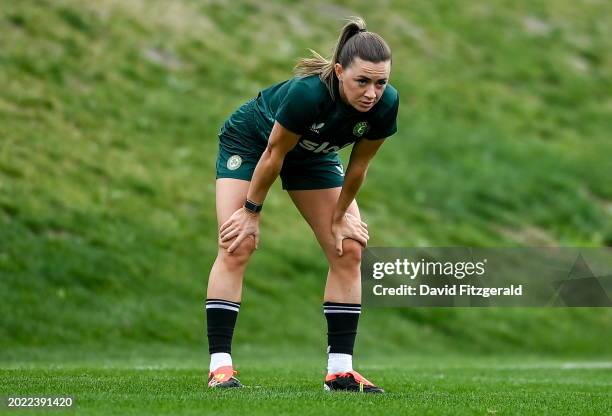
[(453, 385), (109, 113), (108, 118)]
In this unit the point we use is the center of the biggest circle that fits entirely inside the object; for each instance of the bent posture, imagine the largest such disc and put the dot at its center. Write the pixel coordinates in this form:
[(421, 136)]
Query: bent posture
[(295, 129)]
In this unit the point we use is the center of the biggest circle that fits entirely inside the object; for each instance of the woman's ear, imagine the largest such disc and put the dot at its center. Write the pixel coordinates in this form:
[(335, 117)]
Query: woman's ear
[(339, 70)]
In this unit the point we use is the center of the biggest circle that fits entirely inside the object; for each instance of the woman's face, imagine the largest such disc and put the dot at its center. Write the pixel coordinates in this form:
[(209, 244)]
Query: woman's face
[(362, 83)]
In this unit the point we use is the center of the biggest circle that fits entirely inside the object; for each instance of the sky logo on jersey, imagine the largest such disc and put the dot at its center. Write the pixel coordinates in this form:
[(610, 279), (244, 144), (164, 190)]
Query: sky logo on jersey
[(320, 147), (361, 128), (316, 127)]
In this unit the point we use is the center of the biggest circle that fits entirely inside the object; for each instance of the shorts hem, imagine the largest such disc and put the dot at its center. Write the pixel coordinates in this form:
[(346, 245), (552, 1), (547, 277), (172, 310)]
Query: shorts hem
[(243, 178), (310, 187)]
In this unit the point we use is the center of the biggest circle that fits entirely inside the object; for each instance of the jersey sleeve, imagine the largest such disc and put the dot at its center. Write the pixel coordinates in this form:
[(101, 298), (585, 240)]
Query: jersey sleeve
[(385, 124), (298, 109)]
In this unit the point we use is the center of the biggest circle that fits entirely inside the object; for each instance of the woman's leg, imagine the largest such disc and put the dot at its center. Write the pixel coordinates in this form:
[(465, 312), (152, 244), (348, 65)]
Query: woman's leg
[(344, 276), (225, 280), (342, 299)]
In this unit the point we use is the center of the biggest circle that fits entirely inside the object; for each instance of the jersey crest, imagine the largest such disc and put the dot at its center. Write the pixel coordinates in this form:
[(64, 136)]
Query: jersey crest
[(234, 162), (361, 128)]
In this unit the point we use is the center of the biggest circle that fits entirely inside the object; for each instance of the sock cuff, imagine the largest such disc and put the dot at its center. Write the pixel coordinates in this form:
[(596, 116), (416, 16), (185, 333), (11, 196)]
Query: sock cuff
[(340, 304), (337, 307), (222, 304)]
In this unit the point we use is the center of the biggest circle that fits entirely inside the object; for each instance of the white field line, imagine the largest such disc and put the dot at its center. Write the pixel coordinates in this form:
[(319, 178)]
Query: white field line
[(571, 365)]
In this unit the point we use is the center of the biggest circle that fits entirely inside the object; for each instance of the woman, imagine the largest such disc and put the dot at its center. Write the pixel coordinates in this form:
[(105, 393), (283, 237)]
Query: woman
[(295, 129)]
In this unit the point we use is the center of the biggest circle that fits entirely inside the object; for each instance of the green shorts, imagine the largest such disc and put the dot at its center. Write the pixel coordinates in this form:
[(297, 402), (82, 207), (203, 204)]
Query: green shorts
[(238, 157)]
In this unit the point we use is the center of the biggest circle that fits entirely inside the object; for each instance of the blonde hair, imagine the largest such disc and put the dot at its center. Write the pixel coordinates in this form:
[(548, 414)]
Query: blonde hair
[(354, 41)]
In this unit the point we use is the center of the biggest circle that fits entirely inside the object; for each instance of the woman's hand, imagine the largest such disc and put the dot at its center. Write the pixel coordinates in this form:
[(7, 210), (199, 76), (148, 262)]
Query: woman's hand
[(349, 226), (241, 224)]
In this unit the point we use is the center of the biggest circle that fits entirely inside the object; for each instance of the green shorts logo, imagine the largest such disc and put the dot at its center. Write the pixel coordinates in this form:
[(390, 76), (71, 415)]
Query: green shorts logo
[(234, 162), (361, 128)]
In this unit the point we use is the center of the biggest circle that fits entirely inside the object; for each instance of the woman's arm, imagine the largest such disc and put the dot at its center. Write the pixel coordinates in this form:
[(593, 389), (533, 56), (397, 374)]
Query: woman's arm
[(361, 155), (280, 142), (243, 223), (345, 225)]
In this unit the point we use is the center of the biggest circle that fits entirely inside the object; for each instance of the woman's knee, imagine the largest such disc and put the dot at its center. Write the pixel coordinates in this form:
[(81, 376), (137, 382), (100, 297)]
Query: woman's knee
[(351, 254), (241, 254)]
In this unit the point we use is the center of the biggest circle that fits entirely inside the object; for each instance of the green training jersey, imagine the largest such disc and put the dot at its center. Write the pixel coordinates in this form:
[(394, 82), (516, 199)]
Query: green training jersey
[(304, 106)]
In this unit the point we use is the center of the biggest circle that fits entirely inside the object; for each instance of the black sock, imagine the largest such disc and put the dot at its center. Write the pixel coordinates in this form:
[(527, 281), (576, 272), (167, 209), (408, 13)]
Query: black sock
[(342, 320), (221, 319)]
